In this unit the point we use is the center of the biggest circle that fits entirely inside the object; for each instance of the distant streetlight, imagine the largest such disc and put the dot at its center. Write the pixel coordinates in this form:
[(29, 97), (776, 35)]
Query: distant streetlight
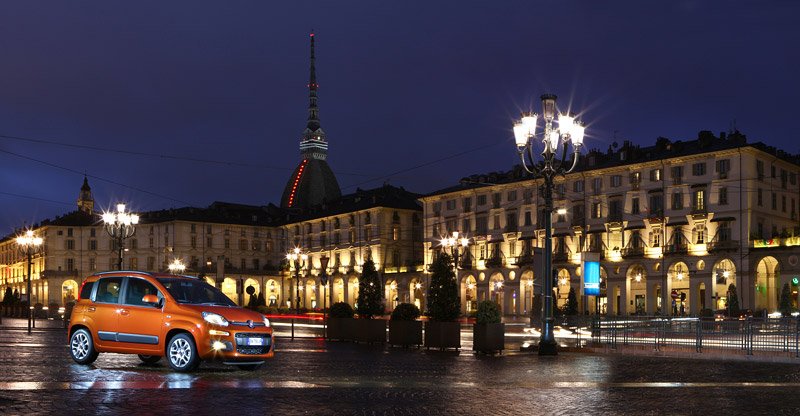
[(455, 243), (569, 131), (323, 279), (120, 225), (176, 267), (298, 259), (29, 244)]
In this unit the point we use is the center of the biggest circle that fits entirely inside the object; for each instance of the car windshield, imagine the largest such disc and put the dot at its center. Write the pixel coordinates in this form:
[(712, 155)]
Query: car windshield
[(195, 292)]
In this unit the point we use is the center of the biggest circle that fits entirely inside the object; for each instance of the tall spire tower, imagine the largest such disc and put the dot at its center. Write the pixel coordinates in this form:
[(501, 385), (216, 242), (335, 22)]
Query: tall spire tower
[(313, 181)]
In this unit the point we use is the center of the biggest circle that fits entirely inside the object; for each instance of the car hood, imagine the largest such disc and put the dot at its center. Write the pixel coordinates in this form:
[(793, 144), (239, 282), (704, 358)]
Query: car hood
[(231, 313)]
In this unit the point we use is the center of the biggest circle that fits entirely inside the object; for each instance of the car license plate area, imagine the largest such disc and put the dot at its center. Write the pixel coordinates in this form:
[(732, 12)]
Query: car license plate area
[(252, 340)]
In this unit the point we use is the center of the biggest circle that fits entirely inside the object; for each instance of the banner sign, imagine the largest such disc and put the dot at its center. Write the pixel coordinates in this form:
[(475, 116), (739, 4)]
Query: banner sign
[(591, 278)]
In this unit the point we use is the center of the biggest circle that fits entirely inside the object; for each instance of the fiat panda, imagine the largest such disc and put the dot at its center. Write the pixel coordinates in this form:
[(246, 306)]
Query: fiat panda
[(155, 315)]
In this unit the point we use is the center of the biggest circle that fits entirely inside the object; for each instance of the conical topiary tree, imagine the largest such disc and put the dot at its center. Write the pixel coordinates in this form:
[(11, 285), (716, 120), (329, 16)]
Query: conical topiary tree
[(733, 300), (443, 301), (785, 304), (571, 308), (370, 298)]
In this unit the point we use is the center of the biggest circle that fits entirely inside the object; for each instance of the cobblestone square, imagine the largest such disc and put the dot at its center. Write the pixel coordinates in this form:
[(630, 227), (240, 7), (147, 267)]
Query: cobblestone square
[(314, 377)]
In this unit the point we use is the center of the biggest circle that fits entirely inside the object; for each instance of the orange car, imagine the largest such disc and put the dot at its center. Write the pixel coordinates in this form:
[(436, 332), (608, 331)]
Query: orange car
[(156, 315)]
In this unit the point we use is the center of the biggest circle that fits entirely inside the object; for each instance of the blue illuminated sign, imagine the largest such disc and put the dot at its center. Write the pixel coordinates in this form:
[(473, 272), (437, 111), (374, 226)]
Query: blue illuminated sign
[(591, 278)]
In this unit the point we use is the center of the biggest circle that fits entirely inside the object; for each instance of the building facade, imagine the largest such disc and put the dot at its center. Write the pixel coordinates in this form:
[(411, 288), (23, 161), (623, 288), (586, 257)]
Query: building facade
[(673, 225)]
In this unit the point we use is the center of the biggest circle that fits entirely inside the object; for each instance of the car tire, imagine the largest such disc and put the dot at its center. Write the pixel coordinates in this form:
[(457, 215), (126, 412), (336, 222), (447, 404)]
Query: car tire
[(81, 347), (249, 367), (149, 359), (182, 353)]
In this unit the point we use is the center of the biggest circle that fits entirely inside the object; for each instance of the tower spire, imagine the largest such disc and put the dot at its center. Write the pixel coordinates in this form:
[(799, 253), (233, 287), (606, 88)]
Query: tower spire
[(313, 144)]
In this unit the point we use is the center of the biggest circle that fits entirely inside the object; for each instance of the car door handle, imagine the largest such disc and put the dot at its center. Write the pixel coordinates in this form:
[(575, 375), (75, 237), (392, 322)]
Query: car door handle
[(92, 309), (124, 312)]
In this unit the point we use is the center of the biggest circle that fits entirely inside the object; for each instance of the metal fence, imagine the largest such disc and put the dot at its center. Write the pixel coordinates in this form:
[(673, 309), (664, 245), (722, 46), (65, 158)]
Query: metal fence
[(749, 336)]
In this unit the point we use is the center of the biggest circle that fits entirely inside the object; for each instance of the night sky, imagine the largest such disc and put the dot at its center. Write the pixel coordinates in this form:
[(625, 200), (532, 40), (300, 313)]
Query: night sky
[(174, 103)]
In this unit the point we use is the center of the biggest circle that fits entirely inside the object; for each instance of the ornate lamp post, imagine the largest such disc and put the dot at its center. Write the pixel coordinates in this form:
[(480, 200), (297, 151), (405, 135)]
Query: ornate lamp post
[(323, 279), (298, 260), (569, 131), (120, 225), (29, 244), (176, 267), (454, 243)]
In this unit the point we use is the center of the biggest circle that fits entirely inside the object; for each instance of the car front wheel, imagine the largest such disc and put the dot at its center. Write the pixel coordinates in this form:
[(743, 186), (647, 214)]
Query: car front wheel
[(182, 353), (81, 347)]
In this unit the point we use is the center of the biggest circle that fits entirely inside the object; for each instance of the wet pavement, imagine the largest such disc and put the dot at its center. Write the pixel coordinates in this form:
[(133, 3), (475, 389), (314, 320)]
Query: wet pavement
[(314, 377)]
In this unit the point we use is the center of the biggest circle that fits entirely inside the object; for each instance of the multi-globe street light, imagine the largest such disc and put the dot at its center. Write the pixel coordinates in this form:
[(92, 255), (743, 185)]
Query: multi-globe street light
[(29, 244), (569, 131), (176, 267), (120, 225), (323, 279), (298, 259), (455, 243)]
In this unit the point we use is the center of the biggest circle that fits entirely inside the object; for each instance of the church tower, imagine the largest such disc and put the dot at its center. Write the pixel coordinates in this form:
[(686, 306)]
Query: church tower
[(85, 199), (313, 181)]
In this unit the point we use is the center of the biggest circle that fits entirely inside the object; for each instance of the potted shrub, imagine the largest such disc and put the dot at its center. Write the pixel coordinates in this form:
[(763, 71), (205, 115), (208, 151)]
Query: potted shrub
[(340, 322), (488, 333), (404, 328), (370, 305), (444, 306)]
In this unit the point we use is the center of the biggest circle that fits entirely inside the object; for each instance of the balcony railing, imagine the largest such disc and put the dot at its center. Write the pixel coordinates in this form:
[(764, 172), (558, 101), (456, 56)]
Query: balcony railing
[(722, 245), (524, 259), (633, 252), (495, 261), (676, 248)]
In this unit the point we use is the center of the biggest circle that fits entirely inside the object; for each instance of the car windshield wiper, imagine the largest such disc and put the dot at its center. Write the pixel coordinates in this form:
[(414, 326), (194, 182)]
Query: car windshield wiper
[(215, 304)]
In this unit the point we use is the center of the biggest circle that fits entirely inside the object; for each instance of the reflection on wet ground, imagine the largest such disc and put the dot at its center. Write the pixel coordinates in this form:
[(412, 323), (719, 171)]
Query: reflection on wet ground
[(311, 376)]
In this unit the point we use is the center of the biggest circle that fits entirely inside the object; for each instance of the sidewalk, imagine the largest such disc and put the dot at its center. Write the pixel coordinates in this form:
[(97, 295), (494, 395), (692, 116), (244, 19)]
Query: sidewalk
[(22, 323)]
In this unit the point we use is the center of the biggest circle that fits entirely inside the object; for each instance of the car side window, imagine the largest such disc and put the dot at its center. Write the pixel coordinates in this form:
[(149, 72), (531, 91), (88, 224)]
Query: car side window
[(137, 289), (108, 290), (86, 290)]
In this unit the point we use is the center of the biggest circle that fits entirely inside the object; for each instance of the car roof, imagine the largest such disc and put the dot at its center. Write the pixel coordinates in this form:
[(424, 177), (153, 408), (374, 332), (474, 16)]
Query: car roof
[(138, 273)]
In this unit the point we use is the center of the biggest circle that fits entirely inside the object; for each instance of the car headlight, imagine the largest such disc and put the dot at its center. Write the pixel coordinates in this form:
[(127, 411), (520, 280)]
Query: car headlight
[(266, 322), (215, 319)]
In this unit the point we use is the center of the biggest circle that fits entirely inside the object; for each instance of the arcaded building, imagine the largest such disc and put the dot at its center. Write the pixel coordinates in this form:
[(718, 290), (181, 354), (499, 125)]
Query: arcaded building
[(676, 220)]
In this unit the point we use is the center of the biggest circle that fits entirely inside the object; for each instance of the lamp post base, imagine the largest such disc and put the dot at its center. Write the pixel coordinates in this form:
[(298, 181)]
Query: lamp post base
[(548, 348)]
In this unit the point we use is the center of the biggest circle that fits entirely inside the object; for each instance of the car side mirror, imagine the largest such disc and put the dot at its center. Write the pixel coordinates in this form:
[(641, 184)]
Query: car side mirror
[(150, 300)]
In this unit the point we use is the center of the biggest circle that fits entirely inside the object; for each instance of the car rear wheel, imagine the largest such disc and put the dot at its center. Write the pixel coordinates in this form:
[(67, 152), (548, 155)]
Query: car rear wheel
[(182, 353), (81, 347), (149, 359)]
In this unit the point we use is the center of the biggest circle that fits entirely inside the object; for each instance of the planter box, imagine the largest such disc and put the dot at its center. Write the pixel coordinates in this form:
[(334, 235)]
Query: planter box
[(342, 329), (442, 335), (370, 330), (488, 337), (405, 333)]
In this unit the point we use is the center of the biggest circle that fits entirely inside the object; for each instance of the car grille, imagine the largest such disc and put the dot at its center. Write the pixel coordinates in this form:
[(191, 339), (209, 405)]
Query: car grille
[(250, 349), (251, 324)]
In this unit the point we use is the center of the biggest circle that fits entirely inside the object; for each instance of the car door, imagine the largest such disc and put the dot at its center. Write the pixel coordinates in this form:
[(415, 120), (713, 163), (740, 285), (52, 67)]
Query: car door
[(103, 310), (140, 325)]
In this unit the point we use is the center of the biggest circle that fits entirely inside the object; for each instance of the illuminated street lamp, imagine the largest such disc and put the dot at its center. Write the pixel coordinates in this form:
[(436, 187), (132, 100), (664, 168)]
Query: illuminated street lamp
[(120, 225), (323, 279), (29, 244), (298, 259), (454, 243), (176, 267), (569, 131)]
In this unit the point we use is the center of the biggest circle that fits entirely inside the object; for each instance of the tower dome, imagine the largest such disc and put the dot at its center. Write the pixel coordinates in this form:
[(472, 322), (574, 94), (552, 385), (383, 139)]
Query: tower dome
[(312, 181)]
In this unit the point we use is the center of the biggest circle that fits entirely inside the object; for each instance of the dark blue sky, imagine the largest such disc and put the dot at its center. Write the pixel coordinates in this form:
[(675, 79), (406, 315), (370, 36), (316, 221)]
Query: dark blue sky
[(402, 84)]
